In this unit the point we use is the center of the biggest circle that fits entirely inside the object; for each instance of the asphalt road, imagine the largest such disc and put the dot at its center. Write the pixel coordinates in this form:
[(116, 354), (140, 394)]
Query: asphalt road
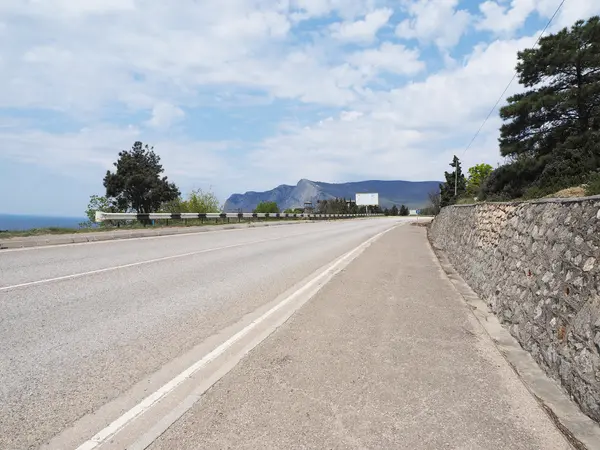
[(82, 325)]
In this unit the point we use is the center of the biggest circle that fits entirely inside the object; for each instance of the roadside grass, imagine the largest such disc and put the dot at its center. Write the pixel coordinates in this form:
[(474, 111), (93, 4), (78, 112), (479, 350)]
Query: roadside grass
[(43, 231), (6, 234)]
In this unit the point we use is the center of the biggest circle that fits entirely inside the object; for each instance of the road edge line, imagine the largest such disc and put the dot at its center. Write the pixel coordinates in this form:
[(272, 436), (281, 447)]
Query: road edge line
[(148, 402)]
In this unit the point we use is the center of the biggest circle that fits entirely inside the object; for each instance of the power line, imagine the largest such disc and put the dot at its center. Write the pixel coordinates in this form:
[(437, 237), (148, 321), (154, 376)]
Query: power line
[(511, 80)]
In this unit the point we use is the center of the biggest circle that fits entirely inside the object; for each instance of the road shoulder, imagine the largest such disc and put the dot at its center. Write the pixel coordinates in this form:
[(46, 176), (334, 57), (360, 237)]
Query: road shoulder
[(581, 431), (386, 355)]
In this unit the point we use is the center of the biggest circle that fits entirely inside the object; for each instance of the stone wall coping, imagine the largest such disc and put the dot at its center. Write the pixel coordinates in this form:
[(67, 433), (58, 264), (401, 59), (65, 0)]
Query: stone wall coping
[(592, 198)]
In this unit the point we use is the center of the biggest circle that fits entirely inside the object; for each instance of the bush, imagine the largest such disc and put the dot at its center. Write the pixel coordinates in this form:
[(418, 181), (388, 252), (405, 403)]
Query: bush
[(570, 164), (201, 202), (511, 180), (429, 211), (593, 185), (267, 207)]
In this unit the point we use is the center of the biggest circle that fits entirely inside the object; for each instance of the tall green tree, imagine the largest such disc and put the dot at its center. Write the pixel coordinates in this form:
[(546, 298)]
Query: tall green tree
[(267, 207), (563, 99), (322, 206), (394, 211), (477, 175), (404, 211), (551, 132), (455, 180), (137, 183)]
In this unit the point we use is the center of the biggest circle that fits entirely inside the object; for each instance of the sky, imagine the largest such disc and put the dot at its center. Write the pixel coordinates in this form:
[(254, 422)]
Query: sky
[(239, 95)]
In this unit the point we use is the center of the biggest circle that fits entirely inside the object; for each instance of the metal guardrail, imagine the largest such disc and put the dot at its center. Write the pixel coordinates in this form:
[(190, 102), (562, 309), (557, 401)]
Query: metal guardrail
[(102, 216)]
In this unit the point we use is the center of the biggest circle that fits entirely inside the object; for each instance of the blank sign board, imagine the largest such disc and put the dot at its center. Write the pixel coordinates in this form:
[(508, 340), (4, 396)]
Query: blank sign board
[(368, 199)]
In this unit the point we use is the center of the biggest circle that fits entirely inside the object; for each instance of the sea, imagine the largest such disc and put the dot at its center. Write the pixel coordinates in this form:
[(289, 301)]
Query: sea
[(18, 222)]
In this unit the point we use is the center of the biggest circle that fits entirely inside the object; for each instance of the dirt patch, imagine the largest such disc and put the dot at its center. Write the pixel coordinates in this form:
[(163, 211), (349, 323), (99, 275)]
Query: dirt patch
[(572, 192)]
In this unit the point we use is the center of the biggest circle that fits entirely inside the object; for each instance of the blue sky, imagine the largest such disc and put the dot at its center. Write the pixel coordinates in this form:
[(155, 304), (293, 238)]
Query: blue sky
[(240, 95)]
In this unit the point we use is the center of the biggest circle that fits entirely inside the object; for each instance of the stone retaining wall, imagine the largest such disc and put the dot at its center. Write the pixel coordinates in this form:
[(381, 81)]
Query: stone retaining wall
[(537, 265)]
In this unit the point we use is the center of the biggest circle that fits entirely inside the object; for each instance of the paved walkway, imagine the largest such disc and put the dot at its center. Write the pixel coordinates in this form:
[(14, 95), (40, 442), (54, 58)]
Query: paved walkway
[(386, 356)]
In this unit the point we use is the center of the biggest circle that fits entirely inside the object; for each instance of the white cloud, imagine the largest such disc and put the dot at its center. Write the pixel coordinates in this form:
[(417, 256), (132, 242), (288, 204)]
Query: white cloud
[(569, 13), (79, 151), (164, 115), (347, 9), (436, 21), (363, 30), (256, 25), (505, 18), (87, 153), (66, 9), (342, 111), (175, 50), (47, 55), (407, 133), (388, 57), (350, 116)]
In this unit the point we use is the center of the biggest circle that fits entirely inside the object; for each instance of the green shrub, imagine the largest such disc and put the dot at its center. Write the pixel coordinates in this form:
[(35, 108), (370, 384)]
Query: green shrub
[(511, 180), (267, 207), (593, 185), (537, 192)]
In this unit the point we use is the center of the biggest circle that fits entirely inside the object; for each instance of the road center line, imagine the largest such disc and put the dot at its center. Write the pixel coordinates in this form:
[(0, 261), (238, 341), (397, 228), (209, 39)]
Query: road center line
[(139, 263), (148, 402)]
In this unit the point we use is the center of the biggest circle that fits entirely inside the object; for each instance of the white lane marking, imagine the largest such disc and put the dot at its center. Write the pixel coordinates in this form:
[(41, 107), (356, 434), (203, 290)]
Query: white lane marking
[(147, 403), (107, 269), (139, 263)]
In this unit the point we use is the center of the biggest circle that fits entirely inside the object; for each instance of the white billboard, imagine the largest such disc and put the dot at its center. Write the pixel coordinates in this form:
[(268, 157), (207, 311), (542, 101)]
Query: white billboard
[(367, 199)]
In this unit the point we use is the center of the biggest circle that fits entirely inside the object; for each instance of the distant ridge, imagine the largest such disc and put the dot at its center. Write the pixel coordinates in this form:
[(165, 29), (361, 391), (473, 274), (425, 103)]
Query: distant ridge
[(413, 194)]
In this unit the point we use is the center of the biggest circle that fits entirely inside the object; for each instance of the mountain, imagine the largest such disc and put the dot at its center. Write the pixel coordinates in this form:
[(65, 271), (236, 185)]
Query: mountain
[(413, 194)]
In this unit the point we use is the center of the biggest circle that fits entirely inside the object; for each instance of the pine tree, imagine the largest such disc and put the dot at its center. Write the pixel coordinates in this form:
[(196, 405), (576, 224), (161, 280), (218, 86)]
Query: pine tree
[(551, 132), (137, 183), (447, 189)]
